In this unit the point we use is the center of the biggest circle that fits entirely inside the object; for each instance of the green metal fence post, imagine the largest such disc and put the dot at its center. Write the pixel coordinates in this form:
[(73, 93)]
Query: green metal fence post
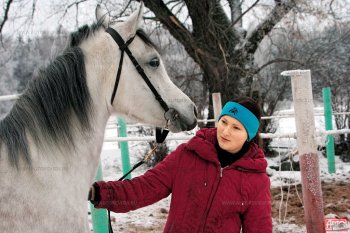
[(124, 148), (328, 122), (99, 216)]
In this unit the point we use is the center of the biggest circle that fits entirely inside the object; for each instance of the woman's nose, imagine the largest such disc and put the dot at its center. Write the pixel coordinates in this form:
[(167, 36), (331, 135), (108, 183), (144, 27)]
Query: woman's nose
[(226, 131)]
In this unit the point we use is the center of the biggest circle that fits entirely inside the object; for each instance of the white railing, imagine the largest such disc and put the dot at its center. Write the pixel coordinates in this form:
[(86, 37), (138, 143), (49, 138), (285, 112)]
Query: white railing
[(319, 133), (282, 114), (9, 97)]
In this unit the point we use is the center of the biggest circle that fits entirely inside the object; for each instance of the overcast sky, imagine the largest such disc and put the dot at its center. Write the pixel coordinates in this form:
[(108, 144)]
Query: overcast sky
[(49, 15)]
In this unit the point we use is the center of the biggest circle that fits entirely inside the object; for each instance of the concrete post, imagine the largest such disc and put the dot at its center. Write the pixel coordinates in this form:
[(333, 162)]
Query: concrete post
[(307, 148)]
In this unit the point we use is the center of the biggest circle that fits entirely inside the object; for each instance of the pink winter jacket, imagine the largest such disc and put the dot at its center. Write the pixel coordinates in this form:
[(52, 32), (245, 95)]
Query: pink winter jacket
[(205, 197)]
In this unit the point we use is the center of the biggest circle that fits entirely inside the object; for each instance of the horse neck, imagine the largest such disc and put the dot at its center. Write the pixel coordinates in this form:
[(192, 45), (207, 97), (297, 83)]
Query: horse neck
[(88, 149), (79, 161)]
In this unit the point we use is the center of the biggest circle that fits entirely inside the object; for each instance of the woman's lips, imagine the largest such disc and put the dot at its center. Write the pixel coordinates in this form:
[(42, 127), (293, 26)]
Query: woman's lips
[(224, 139)]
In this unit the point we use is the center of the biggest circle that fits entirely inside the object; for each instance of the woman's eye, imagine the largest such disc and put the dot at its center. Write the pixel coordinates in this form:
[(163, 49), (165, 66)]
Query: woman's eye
[(236, 127), (154, 62)]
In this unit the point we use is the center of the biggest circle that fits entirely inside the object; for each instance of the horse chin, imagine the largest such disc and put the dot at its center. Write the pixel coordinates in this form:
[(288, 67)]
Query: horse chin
[(180, 126)]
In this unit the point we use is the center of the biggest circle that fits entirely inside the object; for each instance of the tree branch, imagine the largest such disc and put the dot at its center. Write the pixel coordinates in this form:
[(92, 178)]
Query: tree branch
[(33, 8), (239, 18), (275, 61), (7, 9), (123, 11), (173, 24), (278, 12), (322, 50), (71, 5)]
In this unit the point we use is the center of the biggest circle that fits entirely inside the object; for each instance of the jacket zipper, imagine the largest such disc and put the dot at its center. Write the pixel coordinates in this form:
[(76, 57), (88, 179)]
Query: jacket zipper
[(211, 200), (221, 171)]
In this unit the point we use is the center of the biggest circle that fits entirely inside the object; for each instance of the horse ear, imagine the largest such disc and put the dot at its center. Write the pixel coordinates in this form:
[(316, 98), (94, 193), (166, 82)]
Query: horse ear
[(102, 16), (134, 21)]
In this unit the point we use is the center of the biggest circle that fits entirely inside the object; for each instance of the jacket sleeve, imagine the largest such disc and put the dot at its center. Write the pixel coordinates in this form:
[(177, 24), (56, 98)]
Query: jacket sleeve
[(154, 185), (257, 218)]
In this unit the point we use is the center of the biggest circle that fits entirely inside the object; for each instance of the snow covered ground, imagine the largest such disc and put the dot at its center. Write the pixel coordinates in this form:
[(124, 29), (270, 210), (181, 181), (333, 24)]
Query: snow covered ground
[(152, 218)]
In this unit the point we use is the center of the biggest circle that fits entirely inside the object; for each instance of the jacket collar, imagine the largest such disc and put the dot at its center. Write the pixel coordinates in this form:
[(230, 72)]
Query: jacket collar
[(203, 145)]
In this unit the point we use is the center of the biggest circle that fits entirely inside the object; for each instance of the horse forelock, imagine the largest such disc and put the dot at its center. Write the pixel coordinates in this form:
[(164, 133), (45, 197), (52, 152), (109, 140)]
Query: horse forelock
[(55, 95), (145, 38)]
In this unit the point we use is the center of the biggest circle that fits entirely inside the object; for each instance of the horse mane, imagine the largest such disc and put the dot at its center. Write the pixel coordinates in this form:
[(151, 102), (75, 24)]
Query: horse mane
[(84, 32), (55, 94)]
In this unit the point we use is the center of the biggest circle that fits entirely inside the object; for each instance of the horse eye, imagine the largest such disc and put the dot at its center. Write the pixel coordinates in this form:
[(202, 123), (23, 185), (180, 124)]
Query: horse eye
[(154, 62)]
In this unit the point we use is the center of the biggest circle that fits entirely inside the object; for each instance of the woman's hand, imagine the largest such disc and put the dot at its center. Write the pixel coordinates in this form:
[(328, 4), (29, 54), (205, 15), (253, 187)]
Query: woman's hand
[(91, 196), (94, 194)]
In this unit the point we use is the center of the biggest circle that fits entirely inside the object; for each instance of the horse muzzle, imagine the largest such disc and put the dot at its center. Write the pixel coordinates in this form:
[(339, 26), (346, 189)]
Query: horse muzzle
[(177, 122)]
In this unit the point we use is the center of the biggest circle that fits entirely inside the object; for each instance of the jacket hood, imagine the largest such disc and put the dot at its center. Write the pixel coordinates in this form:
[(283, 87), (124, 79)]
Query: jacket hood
[(203, 145)]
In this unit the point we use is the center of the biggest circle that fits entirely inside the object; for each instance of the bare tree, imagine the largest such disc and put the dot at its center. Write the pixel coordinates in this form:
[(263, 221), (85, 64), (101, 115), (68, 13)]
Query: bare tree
[(223, 50)]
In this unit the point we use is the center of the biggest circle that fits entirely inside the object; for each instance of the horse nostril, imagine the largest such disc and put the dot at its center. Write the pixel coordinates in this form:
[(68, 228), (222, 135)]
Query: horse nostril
[(195, 111)]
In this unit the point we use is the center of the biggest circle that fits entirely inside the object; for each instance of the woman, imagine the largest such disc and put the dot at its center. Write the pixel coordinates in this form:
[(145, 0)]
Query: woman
[(218, 179)]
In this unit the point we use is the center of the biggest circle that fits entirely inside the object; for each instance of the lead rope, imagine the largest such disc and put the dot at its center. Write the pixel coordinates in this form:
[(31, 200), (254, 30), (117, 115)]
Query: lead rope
[(160, 137), (145, 159)]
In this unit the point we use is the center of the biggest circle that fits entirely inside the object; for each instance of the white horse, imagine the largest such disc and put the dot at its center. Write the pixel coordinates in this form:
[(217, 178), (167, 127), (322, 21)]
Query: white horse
[(51, 140)]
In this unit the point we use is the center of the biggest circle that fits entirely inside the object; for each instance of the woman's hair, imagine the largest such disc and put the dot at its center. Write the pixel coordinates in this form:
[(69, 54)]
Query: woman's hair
[(254, 107)]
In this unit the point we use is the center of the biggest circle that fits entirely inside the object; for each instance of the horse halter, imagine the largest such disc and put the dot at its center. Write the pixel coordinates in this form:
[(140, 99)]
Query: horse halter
[(170, 113)]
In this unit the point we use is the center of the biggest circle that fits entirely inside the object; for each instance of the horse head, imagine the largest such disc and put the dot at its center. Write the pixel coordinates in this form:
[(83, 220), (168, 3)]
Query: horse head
[(133, 97)]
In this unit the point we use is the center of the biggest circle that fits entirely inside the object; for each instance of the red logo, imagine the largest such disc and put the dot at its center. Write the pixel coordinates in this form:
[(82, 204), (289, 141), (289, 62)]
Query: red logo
[(337, 225)]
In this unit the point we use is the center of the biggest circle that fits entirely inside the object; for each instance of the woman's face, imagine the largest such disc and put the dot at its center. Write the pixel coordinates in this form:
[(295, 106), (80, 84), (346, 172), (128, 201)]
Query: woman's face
[(231, 134)]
